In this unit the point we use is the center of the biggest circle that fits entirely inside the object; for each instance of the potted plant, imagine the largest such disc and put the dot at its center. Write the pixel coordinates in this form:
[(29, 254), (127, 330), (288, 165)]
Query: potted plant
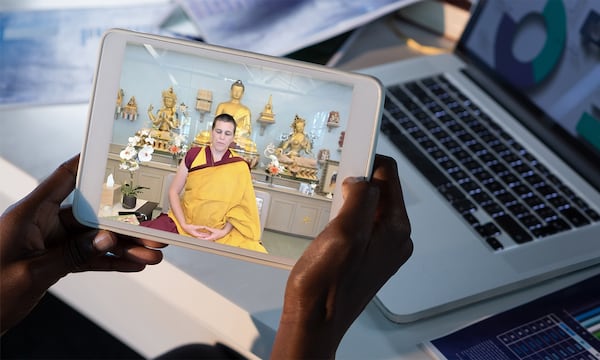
[(139, 149), (130, 193)]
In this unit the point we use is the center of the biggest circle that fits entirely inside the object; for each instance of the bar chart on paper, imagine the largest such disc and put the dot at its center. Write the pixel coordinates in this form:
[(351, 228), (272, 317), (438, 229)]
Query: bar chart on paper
[(562, 325)]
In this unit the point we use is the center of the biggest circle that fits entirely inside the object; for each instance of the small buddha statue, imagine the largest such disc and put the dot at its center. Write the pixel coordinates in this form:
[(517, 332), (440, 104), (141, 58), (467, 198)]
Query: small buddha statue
[(166, 117), (120, 95), (130, 110), (298, 141), (119, 105), (266, 116), (296, 152), (164, 120)]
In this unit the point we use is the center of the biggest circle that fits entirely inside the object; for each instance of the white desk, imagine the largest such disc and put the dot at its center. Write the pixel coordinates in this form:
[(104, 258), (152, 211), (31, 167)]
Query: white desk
[(197, 297)]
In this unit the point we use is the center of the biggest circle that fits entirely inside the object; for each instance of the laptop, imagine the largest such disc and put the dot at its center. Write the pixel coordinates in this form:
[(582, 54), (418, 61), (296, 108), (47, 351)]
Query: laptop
[(498, 149)]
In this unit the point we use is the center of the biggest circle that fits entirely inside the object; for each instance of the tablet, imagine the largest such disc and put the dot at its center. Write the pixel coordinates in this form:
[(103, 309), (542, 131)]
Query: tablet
[(300, 129)]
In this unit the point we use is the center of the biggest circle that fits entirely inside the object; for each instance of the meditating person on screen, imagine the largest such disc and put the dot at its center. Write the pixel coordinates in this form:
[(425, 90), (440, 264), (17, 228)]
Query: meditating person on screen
[(218, 201)]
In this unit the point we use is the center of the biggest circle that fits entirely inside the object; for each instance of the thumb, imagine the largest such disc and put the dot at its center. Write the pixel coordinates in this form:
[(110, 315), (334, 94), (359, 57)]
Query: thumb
[(355, 220), (360, 199)]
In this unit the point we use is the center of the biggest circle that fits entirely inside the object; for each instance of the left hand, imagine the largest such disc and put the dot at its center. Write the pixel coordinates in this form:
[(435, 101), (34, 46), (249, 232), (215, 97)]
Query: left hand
[(40, 242), (214, 234)]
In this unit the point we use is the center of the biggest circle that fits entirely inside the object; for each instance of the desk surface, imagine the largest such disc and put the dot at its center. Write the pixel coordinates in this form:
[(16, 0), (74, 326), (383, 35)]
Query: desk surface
[(198, 297)]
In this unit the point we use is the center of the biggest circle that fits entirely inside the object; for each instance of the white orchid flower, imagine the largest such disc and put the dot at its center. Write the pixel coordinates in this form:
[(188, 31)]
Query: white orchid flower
[(274, 160), (128, 153), (145, 153)]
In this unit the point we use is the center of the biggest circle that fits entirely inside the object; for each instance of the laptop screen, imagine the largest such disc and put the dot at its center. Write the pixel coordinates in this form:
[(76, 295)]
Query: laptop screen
[(547, 51)]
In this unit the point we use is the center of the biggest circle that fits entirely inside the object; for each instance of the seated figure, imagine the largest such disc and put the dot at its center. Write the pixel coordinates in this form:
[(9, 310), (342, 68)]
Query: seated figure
[(241, 113), (164, 120), (291, 150)]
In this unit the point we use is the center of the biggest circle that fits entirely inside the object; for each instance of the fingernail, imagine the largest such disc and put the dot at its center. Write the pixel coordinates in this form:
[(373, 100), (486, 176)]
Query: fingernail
[(103, 241), (356, 179)]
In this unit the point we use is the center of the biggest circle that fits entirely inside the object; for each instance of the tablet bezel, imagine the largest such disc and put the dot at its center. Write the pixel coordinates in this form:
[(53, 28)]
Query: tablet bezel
[(356, 158)]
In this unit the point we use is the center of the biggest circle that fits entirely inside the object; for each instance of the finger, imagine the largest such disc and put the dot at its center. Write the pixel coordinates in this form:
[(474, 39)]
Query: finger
[(107, 252), (59, 184), (123, 247), (360, 197), (83, 247), (385, 176), (143, 242), (385, 171), (137, 254), (355, 218), (112, 263)]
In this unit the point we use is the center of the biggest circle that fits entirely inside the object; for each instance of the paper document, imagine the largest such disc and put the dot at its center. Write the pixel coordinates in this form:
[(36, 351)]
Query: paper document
[(276, 27), (49, 56), (562, 325)]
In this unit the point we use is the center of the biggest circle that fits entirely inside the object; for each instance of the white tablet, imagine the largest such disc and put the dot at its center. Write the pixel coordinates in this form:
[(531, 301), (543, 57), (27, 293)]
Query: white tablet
[(300, 129)]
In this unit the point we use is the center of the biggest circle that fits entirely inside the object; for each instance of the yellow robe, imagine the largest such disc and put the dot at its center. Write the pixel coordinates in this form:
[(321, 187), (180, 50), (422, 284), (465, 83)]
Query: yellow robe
[(216, 193)]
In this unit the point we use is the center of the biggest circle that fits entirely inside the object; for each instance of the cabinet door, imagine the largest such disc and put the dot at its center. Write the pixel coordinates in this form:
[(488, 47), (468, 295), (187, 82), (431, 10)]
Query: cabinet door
[(306, 220), (152, 179), (280, 214)]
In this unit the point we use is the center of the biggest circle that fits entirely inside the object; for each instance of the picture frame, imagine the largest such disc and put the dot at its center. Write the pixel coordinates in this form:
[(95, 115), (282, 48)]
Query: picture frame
[(329, 177)]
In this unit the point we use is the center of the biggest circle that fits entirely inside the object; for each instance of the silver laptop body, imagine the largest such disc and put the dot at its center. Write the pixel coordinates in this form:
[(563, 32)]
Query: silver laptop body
[(462, 254)]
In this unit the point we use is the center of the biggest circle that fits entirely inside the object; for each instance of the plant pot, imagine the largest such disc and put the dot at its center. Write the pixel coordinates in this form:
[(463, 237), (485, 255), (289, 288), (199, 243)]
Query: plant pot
[(129, 201)]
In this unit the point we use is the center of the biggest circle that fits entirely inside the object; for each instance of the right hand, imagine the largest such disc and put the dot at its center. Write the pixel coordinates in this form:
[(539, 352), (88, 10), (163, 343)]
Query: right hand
[(197, 231), (344, 267)]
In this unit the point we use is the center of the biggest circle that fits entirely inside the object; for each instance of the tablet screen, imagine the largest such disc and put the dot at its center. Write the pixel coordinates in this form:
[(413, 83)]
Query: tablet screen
[(289, 136)]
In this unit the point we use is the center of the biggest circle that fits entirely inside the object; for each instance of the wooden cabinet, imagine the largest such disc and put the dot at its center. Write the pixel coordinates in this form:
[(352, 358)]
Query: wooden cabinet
[(295, 213)]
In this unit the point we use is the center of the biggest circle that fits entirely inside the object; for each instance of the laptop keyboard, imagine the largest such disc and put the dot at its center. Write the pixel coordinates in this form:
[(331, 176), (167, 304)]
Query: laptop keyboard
[(499, 187)]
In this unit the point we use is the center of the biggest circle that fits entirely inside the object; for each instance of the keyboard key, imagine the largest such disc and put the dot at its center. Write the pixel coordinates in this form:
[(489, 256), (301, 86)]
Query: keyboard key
[(575, 217), (451, 192), (464, 206), (487, 229), (513, 229), (494, 210), (559, 225), (471, 219), (494, 243)]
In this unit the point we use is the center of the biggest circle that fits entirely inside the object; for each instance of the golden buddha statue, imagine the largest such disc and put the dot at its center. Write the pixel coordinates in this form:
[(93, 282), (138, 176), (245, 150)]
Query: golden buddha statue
[(166, 117), (241, 114), (235, 108), (298, 141), (164, 120), (292, 152)]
